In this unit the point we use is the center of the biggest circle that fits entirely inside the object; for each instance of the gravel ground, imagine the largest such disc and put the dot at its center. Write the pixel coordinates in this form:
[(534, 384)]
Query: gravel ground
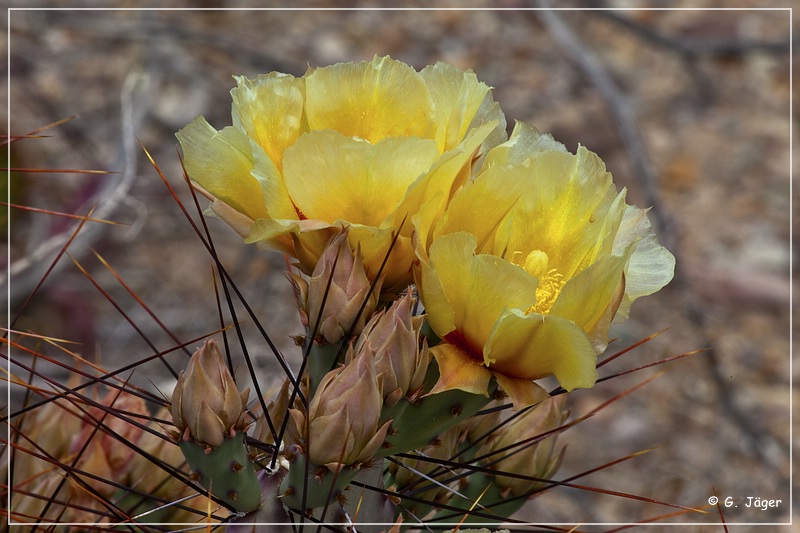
[(708, 96)]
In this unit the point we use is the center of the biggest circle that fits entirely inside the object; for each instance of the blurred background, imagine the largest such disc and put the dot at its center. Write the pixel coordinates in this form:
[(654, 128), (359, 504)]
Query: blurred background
[(690, 110)]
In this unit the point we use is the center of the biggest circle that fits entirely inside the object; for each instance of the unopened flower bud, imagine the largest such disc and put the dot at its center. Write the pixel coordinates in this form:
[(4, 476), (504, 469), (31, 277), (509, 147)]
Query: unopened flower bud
[(477, 428), (537, 460), (105, 457), (334, 296), (206, 402), (391, 340), (92, 439), (276, 413), (343, 426), (411, 474)]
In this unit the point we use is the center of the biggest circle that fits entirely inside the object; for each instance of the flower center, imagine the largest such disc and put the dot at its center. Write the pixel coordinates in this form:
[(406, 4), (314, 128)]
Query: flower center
[(459, 340), (550, 279)]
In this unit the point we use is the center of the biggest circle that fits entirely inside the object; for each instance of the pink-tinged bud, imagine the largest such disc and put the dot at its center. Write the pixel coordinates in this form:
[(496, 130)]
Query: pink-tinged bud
[(276, 410), (300, 285), (538, 460), (477, 428), (406, 472), (62, 429), (343, 426), (338, 308), (105, 456), (391, 340), (206, 401)]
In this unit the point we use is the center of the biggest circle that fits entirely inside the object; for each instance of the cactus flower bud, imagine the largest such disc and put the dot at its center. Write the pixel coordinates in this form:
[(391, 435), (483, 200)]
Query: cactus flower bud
[(276, 412), (62, 430), (206, 402), (105, 457), (343, 426), (334, 295), (411, 475), (536, 460), (478, 427), (391, 340)]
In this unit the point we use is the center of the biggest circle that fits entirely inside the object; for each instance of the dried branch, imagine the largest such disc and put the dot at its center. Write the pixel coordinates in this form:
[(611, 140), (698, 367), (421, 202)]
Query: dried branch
[(695, 48), (25, 272)]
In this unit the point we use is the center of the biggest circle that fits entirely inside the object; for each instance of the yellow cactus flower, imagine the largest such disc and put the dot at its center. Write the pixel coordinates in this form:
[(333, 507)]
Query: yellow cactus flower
[(374, 146), (531, 262)]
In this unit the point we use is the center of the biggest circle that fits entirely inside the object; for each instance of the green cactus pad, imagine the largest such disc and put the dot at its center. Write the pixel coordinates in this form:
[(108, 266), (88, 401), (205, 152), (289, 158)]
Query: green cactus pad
[(320, 485), (480, 487), (420, 422), (226, 472), (270, 512), (321, 360)]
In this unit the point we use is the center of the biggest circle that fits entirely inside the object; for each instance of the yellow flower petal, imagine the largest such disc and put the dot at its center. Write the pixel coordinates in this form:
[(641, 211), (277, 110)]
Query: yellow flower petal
[(429, 195), (591, 298), (372, 101), (525, 142), (277, 234), (532, 346), (564, 210), (330, 176), (438, 309), (481, 206), (221, 161), (270, 110), (457, 97), (457, 370), (273, 188), (477, 288), (239, 222), (651, 265), (521, 392), (375, 244)]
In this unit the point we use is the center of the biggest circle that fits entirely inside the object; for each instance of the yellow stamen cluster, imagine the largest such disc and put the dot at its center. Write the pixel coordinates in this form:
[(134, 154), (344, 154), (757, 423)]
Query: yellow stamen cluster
[(550, 281)]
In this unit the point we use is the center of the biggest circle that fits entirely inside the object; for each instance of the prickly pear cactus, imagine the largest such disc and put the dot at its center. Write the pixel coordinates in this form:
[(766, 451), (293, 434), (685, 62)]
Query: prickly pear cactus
[(308, 486), (226, 472), (440, 412), (395, 191)]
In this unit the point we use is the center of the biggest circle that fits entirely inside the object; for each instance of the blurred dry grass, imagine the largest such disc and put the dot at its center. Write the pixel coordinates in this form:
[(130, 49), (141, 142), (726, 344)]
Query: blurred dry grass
[(709, 91)]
